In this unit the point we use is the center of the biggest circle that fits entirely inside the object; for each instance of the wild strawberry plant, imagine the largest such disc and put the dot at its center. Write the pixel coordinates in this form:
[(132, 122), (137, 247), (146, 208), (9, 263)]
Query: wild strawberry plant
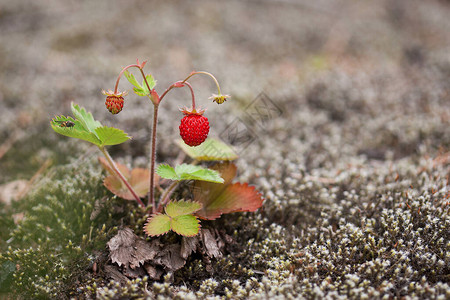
[(214, 193)]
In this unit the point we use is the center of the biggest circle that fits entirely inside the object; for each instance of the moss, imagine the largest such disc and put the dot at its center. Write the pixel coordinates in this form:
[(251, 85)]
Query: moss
[(59, 236)]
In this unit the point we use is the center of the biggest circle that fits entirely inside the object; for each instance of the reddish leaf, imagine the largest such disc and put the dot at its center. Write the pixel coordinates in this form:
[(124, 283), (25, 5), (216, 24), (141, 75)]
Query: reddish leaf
[(138, 178), (218, 199), (140, 181)]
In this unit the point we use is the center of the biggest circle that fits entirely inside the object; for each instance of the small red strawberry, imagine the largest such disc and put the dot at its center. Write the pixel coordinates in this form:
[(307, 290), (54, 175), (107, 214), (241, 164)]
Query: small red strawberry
[(194, 127), (114, 101)]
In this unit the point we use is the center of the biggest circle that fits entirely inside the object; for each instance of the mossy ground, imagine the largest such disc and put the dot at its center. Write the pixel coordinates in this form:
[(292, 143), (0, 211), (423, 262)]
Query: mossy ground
[(354, 165)]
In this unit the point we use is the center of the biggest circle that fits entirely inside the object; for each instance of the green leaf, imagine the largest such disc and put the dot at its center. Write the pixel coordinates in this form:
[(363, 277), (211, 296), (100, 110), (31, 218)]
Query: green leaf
[(179, 208), (140, 91), (177, 220), (186, 225), (111, 135), (211, 149), (143, 90), (76, 131), (151, 82), (86, 119), (85, 127), (189, 172), (157, 224), (167, 172), (131, 79)]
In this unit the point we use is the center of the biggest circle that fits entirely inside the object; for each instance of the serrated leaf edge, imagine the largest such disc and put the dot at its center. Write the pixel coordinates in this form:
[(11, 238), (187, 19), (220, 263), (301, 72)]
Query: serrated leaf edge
[(173, 169), (131, 79), (198, 222), (212, 173), (80, 130), (148, 221), (107, 127), (81, 111), (173, 201)]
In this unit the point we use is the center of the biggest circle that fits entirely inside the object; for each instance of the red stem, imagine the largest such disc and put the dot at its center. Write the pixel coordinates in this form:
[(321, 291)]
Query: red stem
[(151, 198), (166, 195), (192, 94), (123, 70)]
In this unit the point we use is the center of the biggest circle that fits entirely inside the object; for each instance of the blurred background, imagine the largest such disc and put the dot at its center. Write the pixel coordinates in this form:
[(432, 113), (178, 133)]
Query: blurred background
[(54, 52)]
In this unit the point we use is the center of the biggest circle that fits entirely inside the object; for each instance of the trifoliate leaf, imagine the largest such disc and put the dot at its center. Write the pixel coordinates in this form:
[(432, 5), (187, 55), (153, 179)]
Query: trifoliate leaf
[(73, 128), (86, 119), (178, 208), (178, 218), (211, 149), (157, 224), (111, 135), (186, 225), (188, 172)]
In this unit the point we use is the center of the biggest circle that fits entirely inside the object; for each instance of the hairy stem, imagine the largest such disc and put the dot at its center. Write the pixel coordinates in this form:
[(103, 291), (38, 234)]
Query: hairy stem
[(204, 73), (151, 198), (121, 177), (192, 94), (168, 89), (184, 81)]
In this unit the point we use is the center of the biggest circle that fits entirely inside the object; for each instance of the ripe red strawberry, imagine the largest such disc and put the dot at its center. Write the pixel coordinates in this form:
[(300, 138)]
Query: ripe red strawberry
[(194, 127)]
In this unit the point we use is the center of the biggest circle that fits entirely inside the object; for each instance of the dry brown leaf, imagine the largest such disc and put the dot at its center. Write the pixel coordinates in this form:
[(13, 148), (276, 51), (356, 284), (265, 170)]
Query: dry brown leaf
[(170, 257), (113, 273), (134, 273), (154, 272), (189, 245), (131, 251), (210, 243)]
